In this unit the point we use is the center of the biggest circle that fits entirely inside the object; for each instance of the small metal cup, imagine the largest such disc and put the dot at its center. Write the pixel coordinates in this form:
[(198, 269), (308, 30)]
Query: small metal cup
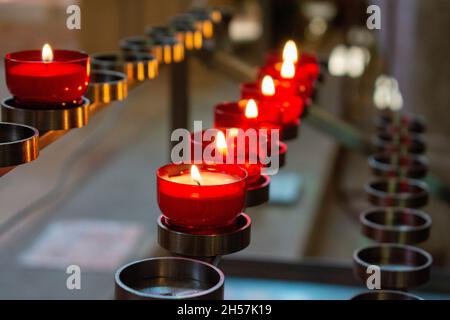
[(401, 267), (18, 144), (169, 278), (386, 143), (405, 193), (258, 193), (396, 225), (387, 165)]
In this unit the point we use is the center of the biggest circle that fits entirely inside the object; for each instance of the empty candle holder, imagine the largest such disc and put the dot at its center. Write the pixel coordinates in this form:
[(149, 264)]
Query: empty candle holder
[(401, 267), (396, 225), (185, 31), (388, 165), (169, 278), (203, 21), (106, 87), (400, 123), (205, 244), (405, 193), (137, 66), (61, 116), (385, 295), (392, 143), (18, 144)]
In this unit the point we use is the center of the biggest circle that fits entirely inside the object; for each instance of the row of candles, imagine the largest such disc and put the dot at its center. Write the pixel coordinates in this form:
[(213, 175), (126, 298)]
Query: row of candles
[(206, 194)]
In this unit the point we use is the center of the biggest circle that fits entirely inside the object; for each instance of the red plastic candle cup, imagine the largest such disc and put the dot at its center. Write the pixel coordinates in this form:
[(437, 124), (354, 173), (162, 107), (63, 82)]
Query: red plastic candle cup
[(228, 149), (232, 115), (307, 63), (278, 108), (32, 78), (208, 198)]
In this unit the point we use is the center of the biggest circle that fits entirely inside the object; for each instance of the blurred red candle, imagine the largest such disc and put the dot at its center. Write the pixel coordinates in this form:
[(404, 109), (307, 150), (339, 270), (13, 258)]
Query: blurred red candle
[(276, 107), (47, 77), (200, 197)]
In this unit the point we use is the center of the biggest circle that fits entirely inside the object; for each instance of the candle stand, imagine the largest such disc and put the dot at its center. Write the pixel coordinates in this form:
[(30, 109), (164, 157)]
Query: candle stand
[(19, 144), (258, 193), (395, 225)]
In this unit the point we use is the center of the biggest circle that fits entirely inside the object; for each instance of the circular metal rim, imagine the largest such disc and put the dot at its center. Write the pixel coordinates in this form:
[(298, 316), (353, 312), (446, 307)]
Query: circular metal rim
[(131, 63), (418, 168), (291, 131), (204, 294), (402, 234), (105, 89), (416, 124), (47, 119), (375, 294), (417, 144), (19, 151), (403, 199), (144, 44), (395, 279), (258, 193), (205, 245)]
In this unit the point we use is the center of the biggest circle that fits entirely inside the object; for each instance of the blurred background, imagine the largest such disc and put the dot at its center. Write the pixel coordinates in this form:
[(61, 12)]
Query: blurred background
[(99, 182)]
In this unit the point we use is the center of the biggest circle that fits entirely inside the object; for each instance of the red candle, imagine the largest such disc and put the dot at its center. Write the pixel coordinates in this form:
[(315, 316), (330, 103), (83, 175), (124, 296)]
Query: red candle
[(200, 197), (230, 147), (47, 77), (276, 107), (306, 64)]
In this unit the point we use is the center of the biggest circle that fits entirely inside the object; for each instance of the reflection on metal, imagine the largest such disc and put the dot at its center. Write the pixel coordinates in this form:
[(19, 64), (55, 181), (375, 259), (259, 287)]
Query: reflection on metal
[(18, 144)]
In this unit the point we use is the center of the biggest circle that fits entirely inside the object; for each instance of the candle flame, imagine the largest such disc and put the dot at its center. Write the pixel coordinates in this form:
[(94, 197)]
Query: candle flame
[(268, 86), (195, 174), (47, 53), (221, 142), (251, 109), (287, 69), (290, 51)]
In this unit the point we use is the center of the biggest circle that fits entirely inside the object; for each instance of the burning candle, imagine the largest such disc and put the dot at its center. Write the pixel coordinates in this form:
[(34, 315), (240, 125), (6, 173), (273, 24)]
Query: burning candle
[(306, 64), (47, 76), (275, 107), (201, 197)]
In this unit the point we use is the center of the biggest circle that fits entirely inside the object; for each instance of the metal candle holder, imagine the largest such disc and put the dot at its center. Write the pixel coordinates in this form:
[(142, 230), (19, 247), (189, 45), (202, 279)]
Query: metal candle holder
[(396, 225), (291, 131), (66, 116), (386, 142), (169, 278), (403, 166), (406, 193), (401, 267), (137, 66), (385, 295), (107, 86), (408, 122), (18, 144), (207, 245)]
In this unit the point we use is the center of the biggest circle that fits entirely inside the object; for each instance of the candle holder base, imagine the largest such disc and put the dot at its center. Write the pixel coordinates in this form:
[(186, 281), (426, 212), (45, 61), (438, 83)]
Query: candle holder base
[(405, 166), (106, 86), (401, 267), (258, 193), (282, 150), (385, 295), (221, 242), (396, 225), (405, 193), (290, 132), (169, 278), (47, 118), (18, 144)]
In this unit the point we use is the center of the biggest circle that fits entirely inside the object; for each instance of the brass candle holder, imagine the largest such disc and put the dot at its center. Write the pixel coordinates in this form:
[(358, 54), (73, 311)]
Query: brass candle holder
[(107, 86), (386, 165), (395, 143), (258, 193), (137, 66), (18, 144), (385, 295), (394, 122), (63, 116)]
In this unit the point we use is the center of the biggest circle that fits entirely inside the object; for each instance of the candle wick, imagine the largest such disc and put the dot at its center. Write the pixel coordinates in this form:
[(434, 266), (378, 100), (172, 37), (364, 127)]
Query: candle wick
[(198, 183)]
